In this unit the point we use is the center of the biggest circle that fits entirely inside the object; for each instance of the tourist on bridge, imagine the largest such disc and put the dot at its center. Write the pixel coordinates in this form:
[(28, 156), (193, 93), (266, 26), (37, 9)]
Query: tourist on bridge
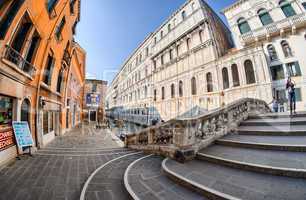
[(290, 86)]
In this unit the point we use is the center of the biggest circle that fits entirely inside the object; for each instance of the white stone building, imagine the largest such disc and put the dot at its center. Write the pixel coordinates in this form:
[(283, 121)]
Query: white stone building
[(191, 62), (279, 27)]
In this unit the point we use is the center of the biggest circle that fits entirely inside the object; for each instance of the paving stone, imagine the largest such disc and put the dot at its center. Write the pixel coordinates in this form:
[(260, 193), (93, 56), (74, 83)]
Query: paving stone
[(54, 174)]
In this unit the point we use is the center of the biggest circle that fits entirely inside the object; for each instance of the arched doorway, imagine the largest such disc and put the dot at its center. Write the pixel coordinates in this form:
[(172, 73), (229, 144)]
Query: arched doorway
[(25, 111)]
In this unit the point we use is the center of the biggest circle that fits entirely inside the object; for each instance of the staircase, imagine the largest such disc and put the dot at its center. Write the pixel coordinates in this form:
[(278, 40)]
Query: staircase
[(265, 159)]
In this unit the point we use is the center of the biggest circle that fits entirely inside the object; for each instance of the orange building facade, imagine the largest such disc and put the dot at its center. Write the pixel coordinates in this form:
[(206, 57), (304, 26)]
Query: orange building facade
[(42, 69)]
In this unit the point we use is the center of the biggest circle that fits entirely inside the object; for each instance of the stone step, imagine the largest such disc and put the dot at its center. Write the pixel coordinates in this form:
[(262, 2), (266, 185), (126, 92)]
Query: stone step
[(297, 130), (282, 163), (222, 182), (280, 143), (106, 182), (277, 115), (144, 180), (275, 122)]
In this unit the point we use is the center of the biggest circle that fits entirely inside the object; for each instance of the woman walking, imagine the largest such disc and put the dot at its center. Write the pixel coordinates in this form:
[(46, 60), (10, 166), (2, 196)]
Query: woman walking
[(290, 86)]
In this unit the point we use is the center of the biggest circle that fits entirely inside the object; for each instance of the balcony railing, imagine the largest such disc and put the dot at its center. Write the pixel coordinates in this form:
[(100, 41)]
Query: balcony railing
[(274, 28), (15, 57)]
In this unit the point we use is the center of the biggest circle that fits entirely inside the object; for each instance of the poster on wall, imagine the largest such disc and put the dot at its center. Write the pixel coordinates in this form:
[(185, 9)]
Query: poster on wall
[(23, 134)]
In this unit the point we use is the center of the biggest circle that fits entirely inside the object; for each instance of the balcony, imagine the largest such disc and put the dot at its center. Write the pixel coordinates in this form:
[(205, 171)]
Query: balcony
[(275, 28), (14, 57)]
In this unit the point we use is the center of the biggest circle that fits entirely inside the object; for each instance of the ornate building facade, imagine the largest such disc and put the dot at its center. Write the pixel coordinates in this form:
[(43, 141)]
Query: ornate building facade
[(279, 27), (40, 64), (190, 62)]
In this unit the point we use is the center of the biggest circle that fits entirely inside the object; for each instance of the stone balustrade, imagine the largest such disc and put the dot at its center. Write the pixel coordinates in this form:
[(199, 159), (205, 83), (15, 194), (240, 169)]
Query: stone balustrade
[(182, 138)]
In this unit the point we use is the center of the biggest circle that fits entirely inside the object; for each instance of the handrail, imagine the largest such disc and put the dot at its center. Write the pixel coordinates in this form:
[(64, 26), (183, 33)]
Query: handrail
[(196, 132)]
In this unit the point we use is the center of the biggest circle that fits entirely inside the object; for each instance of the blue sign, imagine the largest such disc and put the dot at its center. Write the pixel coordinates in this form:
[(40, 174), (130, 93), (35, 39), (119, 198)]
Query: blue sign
[(23, 134), (93, 99)]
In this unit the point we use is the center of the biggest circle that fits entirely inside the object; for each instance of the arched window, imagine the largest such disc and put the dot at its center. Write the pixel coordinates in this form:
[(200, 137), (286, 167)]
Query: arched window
[(286, 49), (201, 36), (264, 17), (163, 93), (225, 78), (272, 52), (287, 8), (304, 4), (193, 86), (235, 75), (243, 26), (184, 15), (172, 91), (155, 95), (249, 72), (146, 91), (169, 27), (188, 42), (209, 82), (181, 88), (25, 111)]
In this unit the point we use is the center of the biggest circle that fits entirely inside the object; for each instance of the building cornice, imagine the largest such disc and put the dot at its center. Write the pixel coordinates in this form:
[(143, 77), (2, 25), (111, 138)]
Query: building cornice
[(234, 5)]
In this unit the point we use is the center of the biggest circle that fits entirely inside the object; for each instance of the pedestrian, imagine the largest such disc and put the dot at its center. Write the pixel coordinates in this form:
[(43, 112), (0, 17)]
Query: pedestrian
[(275, 105), (290, 86), (281, 105)]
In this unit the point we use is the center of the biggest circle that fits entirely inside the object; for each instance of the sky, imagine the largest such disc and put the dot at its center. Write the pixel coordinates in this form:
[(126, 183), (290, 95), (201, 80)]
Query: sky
[(110, 30)]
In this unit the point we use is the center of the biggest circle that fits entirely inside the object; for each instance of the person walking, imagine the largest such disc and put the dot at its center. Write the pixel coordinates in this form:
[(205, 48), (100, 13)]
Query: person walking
[(290, 86)]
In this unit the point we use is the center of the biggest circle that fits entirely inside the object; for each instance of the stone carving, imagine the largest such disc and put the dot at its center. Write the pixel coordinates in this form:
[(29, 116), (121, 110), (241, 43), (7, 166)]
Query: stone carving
[(180, 135)]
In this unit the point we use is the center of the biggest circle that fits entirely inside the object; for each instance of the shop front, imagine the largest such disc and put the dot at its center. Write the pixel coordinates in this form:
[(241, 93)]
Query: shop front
[(49, 122), (7, 141)]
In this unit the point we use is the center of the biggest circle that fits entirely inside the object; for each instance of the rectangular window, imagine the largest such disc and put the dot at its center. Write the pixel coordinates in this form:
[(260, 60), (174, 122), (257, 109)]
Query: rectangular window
[(293, 69), (94, 88), (298, 94), (6, 111), (59, 29), (51, 5), (171, 54), (8, 18), (277, 72), (49, 70), (51, 121)]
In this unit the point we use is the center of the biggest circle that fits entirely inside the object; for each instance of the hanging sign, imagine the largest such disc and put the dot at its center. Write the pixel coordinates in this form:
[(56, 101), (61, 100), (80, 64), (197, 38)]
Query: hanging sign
[(23, 134)]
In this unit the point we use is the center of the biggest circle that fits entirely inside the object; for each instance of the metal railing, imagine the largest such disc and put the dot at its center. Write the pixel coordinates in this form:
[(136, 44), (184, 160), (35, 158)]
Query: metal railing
[(16, 58)]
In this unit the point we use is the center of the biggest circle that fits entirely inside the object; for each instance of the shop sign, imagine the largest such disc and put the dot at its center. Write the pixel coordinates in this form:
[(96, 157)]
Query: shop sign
[(23, 134), (6, 138), (93, 100)]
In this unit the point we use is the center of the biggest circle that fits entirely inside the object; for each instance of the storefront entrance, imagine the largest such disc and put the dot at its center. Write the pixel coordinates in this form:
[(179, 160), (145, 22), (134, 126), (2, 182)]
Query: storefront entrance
[(92, 116)]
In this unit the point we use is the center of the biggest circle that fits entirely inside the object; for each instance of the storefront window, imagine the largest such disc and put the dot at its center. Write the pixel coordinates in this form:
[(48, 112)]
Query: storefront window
[(6, 111), (45, 122)]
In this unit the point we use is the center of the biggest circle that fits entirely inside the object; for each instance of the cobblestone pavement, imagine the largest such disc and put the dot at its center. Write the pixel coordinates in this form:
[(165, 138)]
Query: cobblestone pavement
[(59, 171)]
